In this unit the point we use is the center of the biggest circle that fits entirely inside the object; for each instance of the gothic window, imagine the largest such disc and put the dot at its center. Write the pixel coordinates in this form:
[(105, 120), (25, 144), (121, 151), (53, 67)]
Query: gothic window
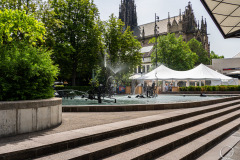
[(135, 70), (139, 69), (199, 39), (143, 69)]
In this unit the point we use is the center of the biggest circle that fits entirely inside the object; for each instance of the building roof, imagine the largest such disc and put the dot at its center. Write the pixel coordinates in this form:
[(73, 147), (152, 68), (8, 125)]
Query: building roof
[(237, 56), (149, 28), (225, 14)]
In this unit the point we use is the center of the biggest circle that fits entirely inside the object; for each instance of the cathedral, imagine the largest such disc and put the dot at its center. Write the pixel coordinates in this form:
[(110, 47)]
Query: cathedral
[(184, 24)]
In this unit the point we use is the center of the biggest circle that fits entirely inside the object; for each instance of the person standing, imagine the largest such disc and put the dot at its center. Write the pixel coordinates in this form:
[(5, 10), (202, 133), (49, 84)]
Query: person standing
[(166, 87)]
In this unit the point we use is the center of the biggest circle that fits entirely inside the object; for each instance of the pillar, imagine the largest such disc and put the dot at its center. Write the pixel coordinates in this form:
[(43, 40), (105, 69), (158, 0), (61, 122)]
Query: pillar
[(163, 86), (176, 83), (187, 83)]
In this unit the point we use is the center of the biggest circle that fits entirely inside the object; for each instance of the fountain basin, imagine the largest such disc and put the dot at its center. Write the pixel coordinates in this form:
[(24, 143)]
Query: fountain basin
[(112, 107)]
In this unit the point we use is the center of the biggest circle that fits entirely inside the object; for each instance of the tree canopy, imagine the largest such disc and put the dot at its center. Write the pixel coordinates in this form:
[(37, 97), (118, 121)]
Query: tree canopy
[(77, 42), (197, 48), (173, 52), (17, 26), (121, 46), (27, 71)]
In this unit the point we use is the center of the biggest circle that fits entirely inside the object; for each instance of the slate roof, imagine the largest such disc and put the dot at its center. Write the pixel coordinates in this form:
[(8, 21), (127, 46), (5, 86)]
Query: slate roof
[(149, 28)]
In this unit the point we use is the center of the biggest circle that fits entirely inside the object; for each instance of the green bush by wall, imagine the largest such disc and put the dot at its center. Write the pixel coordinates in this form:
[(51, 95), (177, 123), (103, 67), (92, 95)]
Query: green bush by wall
[(26, 73), (210, 88), (78, 88)]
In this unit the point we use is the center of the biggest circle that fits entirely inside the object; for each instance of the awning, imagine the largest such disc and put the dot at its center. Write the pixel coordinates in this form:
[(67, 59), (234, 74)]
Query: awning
[(226, 15)]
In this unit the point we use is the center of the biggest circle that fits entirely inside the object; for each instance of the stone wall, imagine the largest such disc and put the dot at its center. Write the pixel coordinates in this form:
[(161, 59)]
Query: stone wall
[(19, 117)]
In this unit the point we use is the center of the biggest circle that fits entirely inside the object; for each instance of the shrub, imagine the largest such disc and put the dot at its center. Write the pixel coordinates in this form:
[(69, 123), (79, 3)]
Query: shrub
[(78, 88), (210, 88), (27, 73)]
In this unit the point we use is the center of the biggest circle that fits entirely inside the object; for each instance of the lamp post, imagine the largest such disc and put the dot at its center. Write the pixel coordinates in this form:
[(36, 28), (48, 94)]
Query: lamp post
[(156, 34)]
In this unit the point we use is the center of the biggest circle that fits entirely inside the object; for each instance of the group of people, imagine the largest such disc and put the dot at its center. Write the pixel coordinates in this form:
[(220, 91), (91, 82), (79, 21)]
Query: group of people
[(168, 87)]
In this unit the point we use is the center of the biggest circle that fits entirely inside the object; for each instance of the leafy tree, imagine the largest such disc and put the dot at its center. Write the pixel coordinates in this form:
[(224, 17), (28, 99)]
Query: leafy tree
[(123, 49), (30, 6), (213, 55), (77, 43), (174, 52), (27, 71), (16, 26), (197, 48)]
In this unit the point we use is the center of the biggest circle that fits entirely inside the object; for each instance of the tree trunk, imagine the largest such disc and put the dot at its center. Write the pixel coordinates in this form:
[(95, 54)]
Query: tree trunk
[(74, 74)]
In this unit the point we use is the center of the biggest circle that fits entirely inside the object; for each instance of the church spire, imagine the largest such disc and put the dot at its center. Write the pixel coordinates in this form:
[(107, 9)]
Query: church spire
[(180, 16), (169, 22), (128, 13)]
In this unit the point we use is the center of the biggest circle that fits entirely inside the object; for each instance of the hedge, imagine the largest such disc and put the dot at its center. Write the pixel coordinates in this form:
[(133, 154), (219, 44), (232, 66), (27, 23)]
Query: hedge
[(210, 88), (78, 88)]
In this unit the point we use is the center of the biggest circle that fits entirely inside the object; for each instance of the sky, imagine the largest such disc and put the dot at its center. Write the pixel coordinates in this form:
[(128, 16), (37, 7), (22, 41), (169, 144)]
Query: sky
[(146, 10)]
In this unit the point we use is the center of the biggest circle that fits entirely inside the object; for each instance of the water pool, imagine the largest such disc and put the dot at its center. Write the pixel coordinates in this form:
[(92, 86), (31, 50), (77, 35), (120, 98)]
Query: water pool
[(121, 100)]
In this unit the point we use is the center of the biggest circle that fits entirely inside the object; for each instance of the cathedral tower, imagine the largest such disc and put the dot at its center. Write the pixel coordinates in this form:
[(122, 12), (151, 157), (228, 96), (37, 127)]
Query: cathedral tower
[(128, 13)]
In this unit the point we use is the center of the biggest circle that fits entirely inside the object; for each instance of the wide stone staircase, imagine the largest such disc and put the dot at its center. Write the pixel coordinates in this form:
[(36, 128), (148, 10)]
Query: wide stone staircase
[(181, 134)]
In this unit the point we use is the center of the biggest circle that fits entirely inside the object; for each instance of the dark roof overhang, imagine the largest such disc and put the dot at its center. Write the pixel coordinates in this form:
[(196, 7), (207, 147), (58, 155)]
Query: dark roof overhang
[(226, 16)]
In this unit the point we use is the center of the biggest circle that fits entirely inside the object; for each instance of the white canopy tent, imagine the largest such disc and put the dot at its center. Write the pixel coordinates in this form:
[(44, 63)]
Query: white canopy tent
[(198, 73)]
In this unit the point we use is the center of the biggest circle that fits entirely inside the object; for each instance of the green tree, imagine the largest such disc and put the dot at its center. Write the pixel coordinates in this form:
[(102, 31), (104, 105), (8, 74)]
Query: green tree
[(27, 71), (197, 48), (123, 49), (16, 26), (77, 43), (213, 55), (173, 52), (30, 6)]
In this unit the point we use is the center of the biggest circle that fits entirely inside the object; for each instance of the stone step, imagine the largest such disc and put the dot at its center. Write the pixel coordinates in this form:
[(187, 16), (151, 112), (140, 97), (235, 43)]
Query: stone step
[(164, 145), (54, 143), (116, 145), (224, 147), (199, 146)]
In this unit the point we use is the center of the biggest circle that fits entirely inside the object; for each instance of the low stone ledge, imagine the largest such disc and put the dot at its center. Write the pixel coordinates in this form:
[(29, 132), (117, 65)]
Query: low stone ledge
[(19, 117)]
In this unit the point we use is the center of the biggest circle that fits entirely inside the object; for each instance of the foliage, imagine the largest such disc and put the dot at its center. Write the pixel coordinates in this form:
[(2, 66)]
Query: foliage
[(77, 42), (122, 49), (30, 6), (58, 86), (16, 26), (122, 46), (27, 73), (78, 88), (174, 53), (211, 88), (215, 56), (197, 48)]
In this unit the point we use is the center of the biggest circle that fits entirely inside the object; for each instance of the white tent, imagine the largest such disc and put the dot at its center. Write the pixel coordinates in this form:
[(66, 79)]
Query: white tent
[(200, 72), (160, 73)]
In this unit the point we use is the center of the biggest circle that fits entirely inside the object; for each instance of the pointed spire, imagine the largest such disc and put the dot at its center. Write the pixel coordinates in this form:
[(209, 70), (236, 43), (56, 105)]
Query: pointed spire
[(169, 23), (198, 25), (180, 15), (143, 33)]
